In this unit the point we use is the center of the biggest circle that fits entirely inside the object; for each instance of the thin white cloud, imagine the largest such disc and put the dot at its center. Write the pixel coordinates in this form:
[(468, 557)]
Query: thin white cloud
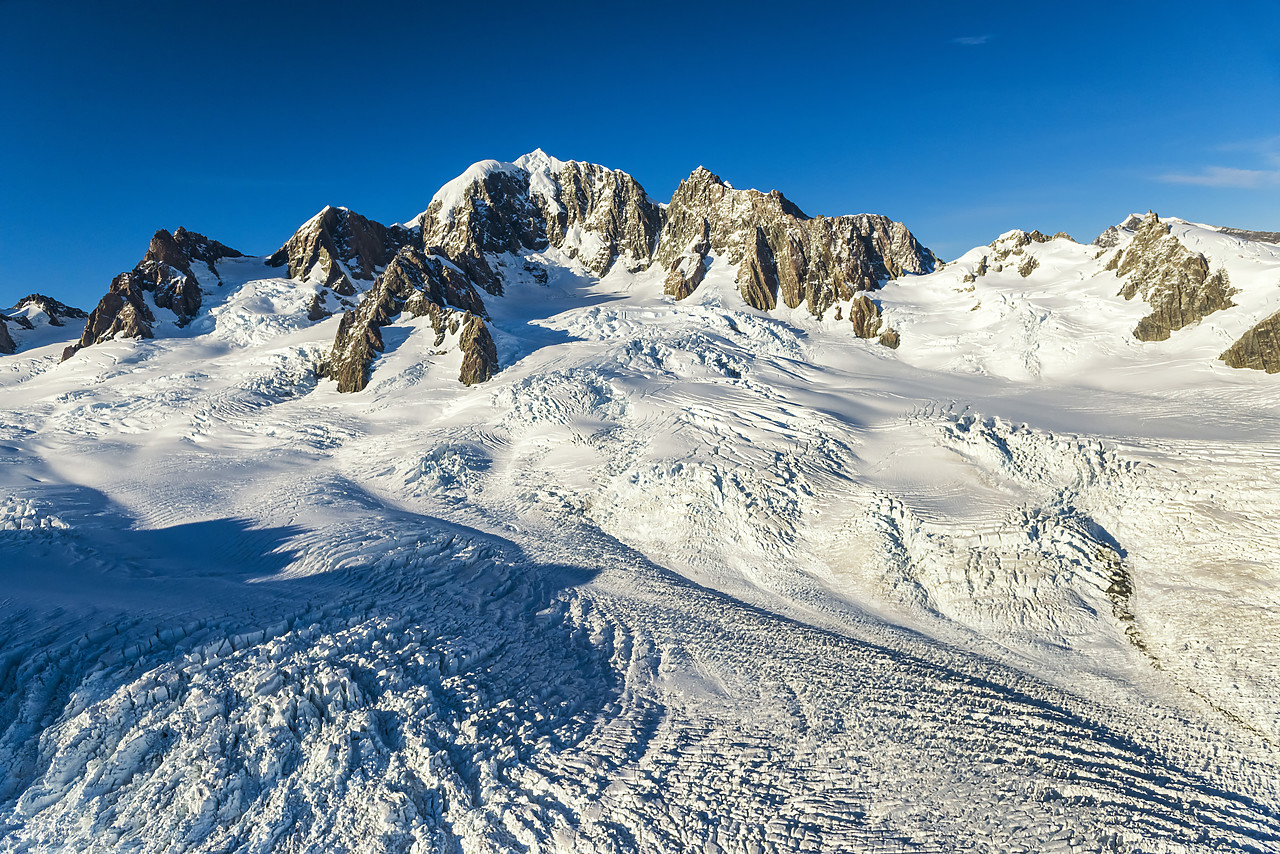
[(1265, 150), (1223, 176), (971, 40)]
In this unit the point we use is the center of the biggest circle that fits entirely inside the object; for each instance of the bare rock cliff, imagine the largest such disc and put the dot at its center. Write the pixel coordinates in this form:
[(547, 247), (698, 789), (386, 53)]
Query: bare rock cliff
[(168, 272), (424, 286), (339, 245), (783, 253), (1174, 281), (1259, 348)]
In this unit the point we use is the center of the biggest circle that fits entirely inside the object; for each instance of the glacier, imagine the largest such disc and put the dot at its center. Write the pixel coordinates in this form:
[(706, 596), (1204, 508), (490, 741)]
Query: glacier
[(684, 575)]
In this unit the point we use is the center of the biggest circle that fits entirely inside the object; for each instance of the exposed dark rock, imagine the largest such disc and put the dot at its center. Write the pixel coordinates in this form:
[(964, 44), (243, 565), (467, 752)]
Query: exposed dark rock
[(595, 215), (121, 313), (1174, 281), (688, 270), (488, 210), (479, 354), (1012, 245), (57, 312), (813, 260), (425, 286), (334, 239), (1117, 234), (316, 310), (1259, 348), (7, 345), (166, 269), (165, 272), (758, 275), (1256, 236), (864, 314), (890, 339)]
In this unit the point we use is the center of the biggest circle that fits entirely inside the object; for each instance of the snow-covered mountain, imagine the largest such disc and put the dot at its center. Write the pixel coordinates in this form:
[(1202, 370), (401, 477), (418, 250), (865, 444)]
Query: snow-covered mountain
[(557, 519)]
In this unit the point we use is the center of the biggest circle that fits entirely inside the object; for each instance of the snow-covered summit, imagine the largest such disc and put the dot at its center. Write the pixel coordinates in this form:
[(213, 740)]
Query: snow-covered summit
[(454, 192)]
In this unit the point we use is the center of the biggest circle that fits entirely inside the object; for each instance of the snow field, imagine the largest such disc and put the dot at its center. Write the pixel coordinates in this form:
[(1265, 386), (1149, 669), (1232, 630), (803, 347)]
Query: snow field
[(682, 577)]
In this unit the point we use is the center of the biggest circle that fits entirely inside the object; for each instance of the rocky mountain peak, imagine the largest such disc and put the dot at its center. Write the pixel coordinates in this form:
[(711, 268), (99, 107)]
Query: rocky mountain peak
[(423, 286), (593, 214), (488, 209), (1172, 279), (165, 272), (780, 251), (56, 312), (1117, 234), (338, 245)]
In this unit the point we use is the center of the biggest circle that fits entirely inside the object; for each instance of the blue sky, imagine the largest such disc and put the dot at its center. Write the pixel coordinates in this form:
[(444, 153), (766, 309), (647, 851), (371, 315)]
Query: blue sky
[(963, 120)]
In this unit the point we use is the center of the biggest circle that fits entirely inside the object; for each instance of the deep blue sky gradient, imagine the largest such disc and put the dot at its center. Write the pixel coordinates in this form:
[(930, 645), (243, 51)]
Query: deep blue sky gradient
[(242, 119)]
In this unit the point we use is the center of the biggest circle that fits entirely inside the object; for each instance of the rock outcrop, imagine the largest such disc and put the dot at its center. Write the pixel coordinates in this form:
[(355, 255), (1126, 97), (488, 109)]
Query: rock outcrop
[(1259, 348), (30, 311), (864, 314), (595, 215), (689, 269), (488, 209), (424, 286), (56, 313), (166, 272), (1174, 281), (1117, 234), (781, 252), (1255, 236), (1012, 247), (339, 245)]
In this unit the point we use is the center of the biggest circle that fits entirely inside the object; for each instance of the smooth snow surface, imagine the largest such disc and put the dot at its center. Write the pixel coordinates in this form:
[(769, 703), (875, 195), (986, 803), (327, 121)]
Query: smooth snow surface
[(681, 577)]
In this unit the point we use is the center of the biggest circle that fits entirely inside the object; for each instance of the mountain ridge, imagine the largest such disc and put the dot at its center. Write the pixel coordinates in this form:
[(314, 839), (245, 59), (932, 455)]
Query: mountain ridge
[(499, 219)]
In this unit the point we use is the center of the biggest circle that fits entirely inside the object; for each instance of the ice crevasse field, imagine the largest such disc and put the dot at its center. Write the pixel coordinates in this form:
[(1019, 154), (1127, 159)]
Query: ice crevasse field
[(683, 576)]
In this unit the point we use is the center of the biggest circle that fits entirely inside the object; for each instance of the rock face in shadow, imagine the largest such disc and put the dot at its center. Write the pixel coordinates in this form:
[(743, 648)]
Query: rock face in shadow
[(781, 252), (168, 272), (338, 245), (1259, 348), (595, 215), (486, 210), (1174, 281), (424, 286), (57, 312), (689, 269)]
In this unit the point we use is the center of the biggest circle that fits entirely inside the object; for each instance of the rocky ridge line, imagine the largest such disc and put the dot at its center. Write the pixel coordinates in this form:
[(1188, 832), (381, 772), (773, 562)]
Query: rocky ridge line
[(597, 217), (339, 245), (424, 286), (1173, 280), (57, 313), (166, 273), (782, 252)]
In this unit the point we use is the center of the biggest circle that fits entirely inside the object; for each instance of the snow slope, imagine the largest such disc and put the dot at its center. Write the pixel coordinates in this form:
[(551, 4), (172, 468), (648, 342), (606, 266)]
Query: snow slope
[(684, 576)]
